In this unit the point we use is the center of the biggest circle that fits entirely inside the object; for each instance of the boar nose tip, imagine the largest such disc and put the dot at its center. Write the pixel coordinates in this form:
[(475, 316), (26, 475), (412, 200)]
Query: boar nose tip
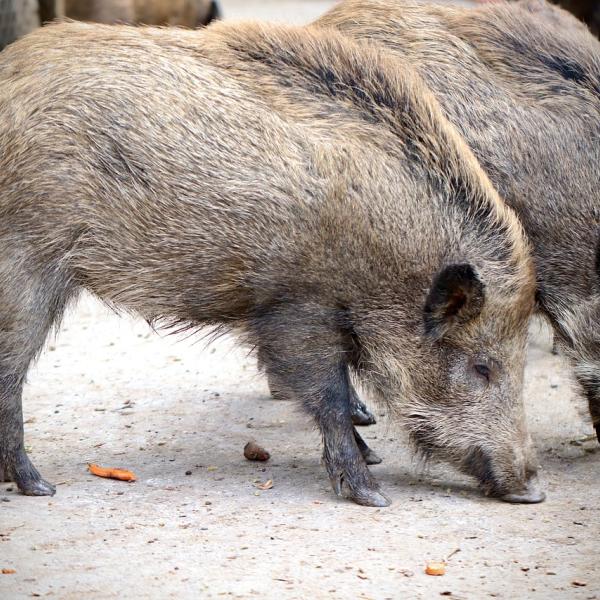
[(532, 495), (525, 498)]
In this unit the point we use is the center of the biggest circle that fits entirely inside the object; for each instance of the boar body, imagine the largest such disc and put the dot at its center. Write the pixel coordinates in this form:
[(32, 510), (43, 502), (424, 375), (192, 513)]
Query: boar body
[(142, 171)]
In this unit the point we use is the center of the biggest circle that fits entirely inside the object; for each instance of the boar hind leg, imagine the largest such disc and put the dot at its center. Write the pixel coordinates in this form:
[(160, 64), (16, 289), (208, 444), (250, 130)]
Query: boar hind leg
[(371, 457), (29, 305), (361, 415), (306, 358), (595, 414), (591, 386)]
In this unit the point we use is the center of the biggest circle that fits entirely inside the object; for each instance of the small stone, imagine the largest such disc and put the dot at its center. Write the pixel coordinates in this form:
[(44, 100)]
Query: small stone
[(252, 451)]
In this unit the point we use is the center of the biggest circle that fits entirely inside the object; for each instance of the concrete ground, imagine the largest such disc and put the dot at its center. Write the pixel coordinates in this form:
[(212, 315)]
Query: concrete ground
[(195, 524)]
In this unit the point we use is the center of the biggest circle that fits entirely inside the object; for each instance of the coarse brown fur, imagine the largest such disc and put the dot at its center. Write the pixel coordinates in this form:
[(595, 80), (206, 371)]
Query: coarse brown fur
[(181, 13), (522, 84), (144, 171)]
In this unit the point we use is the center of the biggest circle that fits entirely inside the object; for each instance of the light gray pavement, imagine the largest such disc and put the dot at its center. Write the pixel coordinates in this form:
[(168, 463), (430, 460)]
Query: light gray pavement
[(195, 525)]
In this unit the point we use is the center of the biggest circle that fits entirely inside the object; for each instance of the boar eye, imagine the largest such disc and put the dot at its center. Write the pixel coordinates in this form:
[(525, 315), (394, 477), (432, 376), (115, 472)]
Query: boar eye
[(483, 371)]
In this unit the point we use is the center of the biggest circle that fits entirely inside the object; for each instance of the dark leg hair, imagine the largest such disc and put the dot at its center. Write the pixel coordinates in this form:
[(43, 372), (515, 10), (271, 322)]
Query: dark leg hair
[(302, 351)]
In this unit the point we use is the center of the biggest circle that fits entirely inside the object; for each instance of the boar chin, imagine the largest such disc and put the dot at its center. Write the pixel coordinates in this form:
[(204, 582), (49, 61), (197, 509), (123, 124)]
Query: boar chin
[(517, 486), (514, 485)]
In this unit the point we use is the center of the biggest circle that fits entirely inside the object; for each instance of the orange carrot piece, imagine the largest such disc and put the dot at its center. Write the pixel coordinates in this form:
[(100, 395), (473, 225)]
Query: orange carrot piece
[(111, 473), (435, 568)]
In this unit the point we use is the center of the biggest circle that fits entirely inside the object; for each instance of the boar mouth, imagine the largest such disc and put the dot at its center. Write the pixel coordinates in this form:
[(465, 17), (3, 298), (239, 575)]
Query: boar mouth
[(478, 463)]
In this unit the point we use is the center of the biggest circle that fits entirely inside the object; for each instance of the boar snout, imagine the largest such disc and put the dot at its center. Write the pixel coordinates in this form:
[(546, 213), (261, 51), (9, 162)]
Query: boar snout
[(509, 483), (531, 495)]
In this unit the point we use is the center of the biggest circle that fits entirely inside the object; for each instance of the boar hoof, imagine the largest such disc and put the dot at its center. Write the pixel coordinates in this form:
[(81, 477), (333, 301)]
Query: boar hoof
[(36, 487), (368, 497), (364, 495), (597, 428), (372, 458), (360, 414), (27, 478), (371, 498)]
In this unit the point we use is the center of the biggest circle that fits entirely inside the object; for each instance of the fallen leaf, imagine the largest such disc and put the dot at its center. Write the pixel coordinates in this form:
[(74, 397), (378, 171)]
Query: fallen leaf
[(578, 583), (452, 554), (267, 485), (8, 571)]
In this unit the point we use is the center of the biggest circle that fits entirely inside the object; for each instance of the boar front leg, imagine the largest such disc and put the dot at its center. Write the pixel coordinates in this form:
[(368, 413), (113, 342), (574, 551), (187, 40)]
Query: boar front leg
[(303, 352), (359, 413), (342, 454)]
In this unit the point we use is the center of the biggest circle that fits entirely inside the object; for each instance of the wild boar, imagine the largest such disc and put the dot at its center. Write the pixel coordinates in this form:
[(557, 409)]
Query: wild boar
[(136, 168), (182, 13), (524, 92), (586, 10), (542, 9)]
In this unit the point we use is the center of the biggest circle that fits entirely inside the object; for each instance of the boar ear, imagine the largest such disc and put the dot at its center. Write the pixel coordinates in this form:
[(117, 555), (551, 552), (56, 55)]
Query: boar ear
[(456, 296)]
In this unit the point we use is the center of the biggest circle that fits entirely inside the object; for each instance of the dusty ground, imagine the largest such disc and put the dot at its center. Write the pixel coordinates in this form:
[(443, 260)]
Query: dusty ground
[(195, 525)]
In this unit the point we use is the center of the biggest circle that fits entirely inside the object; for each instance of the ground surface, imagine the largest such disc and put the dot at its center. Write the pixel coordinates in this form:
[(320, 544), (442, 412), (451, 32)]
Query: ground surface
[(195, 525)]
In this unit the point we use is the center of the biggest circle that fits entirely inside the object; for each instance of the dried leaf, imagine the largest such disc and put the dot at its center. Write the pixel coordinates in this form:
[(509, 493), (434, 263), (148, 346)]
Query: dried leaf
[(267, 485)]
